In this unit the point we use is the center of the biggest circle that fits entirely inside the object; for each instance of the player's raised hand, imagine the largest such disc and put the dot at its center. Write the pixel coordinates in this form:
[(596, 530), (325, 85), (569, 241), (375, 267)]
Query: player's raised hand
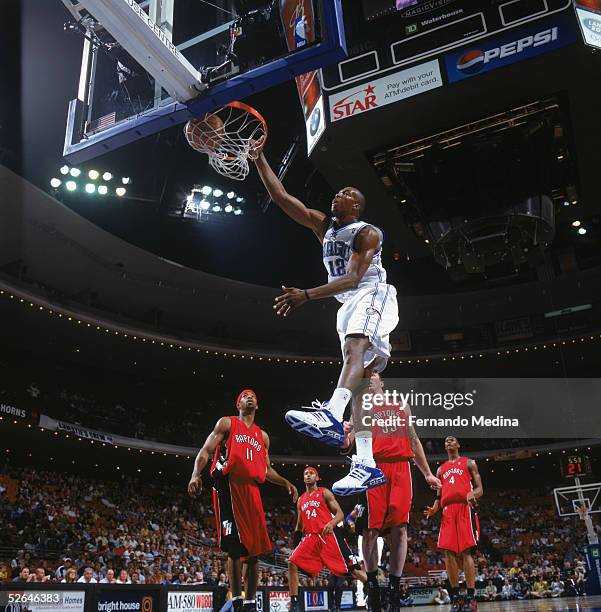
[(433, 482), (291, 298), (194, 486)]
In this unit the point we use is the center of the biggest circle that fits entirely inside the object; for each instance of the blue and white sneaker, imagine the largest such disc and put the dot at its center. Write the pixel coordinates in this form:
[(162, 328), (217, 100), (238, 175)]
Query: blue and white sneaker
[(318, 423), (361, 478)]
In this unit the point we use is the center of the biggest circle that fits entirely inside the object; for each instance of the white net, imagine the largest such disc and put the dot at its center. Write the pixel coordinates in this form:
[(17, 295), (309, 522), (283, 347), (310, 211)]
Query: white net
[(230, 136)]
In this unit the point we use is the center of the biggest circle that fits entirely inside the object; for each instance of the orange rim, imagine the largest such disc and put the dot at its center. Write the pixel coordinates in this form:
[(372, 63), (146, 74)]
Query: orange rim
[(251, 111)]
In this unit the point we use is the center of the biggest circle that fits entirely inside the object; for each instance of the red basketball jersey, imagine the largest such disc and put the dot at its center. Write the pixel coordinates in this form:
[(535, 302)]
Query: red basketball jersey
[(391, 436), (245, 453), (456, 481), (314, 511)]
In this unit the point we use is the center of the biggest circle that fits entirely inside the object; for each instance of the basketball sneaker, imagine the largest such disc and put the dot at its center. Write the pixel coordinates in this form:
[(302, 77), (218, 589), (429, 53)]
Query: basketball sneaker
[(470, 605), (361, 478), (294, 606), (373, 599), (317, 422)]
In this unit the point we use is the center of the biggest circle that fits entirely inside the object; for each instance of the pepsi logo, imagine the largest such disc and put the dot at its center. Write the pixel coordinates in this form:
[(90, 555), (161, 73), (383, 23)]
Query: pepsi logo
[(471, 62)]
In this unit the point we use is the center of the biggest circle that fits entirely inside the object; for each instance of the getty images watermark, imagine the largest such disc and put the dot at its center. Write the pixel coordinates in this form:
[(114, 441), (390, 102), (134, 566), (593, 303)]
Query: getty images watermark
[(384, 411)]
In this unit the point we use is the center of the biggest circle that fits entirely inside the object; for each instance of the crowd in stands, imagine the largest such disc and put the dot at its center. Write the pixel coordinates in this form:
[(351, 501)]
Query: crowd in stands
[(67, 528)]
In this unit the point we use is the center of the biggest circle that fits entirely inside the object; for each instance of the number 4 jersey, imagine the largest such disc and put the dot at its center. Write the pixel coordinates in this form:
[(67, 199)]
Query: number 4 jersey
[(456, 481), (243, 457)]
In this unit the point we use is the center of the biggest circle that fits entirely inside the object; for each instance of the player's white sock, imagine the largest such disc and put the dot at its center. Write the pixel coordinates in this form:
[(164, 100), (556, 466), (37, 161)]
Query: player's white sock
[(249, 601), (337, 405), (364, 451)]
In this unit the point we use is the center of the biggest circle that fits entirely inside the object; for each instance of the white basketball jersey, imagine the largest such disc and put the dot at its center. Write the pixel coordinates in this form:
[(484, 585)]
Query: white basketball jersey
[(339, 245)]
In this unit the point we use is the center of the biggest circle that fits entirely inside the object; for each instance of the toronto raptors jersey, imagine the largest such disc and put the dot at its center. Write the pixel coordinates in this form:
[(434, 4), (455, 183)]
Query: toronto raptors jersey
[(391, 439), (456, 481), (314, 511), (244, 457), (339, 245)]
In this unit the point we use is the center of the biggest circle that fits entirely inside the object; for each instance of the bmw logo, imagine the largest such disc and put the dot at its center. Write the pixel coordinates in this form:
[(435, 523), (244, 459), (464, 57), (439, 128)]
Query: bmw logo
[(315, 121), (471, 62)]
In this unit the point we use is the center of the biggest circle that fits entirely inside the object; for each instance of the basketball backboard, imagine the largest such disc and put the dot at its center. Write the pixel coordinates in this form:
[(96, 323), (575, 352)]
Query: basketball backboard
[(151, 64), (578, 500)]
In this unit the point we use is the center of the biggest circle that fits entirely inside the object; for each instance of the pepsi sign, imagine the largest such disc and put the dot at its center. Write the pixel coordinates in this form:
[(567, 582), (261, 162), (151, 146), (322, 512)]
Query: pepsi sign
[(509, 49)]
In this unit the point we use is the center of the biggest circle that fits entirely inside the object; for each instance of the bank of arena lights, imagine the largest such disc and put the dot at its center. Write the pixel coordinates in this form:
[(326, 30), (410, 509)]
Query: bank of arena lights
[(204, 200), (96, 182)]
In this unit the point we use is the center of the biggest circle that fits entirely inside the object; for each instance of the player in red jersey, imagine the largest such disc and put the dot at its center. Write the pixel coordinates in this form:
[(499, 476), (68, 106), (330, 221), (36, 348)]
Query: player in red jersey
[(395, 444), (323, 544), (459, 527), (240, 464)]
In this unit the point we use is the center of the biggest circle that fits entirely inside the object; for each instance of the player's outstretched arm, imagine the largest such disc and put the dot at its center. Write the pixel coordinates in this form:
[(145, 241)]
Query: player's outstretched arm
[(368, 243), (273, 477), (315, 220), (420, 455), (214, 439), (335, 509), (477, 492)]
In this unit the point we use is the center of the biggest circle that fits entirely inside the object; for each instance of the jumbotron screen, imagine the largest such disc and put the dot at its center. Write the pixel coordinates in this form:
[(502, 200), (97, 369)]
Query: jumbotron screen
[(380, 8)]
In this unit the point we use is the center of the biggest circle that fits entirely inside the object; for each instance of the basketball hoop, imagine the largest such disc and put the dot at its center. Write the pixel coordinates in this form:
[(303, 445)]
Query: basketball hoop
[(583, 512), (230, 136)]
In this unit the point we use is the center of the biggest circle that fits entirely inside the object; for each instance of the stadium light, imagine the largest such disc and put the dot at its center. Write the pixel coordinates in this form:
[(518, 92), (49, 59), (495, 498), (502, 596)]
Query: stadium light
[(216, 208), (71, 185), (576, 223), (237, 211), (90, 188), (107, 176), (120, 191), (228, 208), (206, 190), (55, 183), (103, 189), (239, 200), (230, 195), (582, 231), (93, 174), (217, 193), (126, 180), (64, 170), (75, 172), (204, 205)]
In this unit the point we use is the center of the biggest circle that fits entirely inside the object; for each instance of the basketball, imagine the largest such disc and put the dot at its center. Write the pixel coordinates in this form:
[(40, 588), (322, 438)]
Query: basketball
[(205, 133)]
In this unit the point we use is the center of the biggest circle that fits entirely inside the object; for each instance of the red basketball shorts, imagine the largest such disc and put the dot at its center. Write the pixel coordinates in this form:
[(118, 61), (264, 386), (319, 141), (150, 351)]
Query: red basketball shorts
[(459, 528), (389, 505), (316, 552), (240, 517)]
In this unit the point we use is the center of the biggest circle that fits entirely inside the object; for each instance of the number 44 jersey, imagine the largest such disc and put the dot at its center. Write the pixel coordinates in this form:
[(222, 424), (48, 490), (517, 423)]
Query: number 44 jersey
[(339, 243), (244, 457)]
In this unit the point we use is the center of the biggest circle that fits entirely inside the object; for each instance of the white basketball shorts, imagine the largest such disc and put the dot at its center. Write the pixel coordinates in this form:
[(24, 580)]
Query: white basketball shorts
[(372, 312)]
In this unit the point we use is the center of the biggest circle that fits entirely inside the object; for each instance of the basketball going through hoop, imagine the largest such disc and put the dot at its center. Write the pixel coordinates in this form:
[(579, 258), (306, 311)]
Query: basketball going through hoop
[(230, 136)]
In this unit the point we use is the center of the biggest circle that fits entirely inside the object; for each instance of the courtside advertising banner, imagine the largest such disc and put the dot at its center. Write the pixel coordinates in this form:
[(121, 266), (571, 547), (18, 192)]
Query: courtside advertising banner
[(42, 601), (279, 601), (347, 602), (316, 600), (127, 601), (189, 601)]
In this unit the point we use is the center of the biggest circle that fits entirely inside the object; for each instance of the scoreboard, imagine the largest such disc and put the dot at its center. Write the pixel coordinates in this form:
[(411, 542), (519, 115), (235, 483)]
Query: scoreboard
[(398, 33), (575, 465)]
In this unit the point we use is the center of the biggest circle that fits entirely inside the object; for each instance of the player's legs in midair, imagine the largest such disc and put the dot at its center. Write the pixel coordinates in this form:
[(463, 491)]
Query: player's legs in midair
[(234, 572), (251, 581)]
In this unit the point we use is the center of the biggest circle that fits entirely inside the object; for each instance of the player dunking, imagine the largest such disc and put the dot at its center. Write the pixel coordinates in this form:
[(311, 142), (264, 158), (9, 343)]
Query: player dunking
[(323, 544), (240, 464), (387, 507), (459, 527), (352, 255)]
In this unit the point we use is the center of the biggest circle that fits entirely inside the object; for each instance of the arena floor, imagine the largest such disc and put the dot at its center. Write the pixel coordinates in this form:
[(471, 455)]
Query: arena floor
[(573, 604)]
